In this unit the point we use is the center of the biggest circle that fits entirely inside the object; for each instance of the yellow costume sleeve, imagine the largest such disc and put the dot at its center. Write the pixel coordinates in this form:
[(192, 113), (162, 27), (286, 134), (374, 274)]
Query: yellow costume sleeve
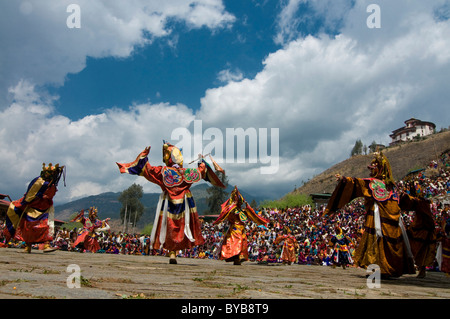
[(347, 190)]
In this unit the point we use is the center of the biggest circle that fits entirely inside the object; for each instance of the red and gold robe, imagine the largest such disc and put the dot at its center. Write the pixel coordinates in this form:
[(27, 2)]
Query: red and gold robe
[(235, 240), (176, 225), (290, 246), (421, 232), (31, 218), (88, 235)]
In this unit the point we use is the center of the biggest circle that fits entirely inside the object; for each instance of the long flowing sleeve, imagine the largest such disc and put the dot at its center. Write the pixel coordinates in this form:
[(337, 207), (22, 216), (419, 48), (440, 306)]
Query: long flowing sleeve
[(210, 176), (347, 190), (141, 167), (37, 188), (227, 208), (137, 166), (254, 217), (421, 232)]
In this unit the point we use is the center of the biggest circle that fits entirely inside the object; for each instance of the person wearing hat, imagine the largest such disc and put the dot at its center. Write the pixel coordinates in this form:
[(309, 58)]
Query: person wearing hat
[(341, 254), (176, 226), (92, 226), (31, 218), (290, 246), (234, 246), (385, 241)]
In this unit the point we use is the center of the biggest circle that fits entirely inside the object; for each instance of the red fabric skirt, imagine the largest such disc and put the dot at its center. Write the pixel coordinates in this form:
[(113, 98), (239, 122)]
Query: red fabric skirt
[(175, 237), (89, 243), (235, 243), (33, 232)]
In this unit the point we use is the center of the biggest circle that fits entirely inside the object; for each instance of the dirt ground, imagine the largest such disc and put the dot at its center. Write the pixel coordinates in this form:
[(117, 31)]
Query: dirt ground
[(102, 276)]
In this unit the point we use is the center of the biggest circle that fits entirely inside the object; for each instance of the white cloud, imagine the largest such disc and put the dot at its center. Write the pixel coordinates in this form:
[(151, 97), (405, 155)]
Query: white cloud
[(299, 17), (89, 147), (325, 92), (42, 49), (228, 75)]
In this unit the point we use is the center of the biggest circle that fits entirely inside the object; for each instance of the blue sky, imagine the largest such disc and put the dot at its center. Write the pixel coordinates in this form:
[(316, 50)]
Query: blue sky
[(174, 73), (310, 73), (181, 67)]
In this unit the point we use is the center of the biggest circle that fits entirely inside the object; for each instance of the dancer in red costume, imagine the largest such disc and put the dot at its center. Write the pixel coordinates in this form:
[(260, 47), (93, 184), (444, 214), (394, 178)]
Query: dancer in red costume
[(176, 225), (92, 226), (290, 246), (234, 246), (30, 219)]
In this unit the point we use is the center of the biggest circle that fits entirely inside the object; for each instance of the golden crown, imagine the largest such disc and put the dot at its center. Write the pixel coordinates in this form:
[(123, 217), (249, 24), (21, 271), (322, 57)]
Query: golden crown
[(93, 211), (49, 172)]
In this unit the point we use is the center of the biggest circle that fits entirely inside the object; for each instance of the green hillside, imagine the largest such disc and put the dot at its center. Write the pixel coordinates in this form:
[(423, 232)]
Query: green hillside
[(403, 158)]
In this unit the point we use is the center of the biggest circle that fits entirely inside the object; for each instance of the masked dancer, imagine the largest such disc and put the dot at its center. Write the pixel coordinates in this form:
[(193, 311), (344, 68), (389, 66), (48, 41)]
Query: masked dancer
[(176, 224), (31, 218), (234, 246), (385, 240), (92, 226)]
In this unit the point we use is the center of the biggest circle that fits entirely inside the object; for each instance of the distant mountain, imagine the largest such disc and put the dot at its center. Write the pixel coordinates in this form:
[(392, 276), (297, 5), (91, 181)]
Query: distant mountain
[(109, 206)]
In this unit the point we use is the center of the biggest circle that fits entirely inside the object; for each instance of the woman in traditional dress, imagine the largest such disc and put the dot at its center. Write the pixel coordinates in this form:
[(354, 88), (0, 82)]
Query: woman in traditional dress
[(234, 246), (176, 224), (31, 218), (92, 226)]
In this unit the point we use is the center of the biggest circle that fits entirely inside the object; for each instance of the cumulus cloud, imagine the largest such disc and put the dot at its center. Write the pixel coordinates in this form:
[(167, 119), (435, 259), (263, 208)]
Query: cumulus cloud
[(43, 50), (32, 134), (298, 18), (325, 92)]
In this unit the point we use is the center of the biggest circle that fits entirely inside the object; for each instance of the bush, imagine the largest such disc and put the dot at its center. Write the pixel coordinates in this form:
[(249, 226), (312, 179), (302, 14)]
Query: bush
[(290, 200), (147, 229)]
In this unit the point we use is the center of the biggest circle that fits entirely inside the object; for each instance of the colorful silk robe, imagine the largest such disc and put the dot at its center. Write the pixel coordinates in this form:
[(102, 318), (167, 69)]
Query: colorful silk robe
[(176, 224), (235, 240), (31, 218), (290, 246), (341, 254), (384, 241), (88, 235)]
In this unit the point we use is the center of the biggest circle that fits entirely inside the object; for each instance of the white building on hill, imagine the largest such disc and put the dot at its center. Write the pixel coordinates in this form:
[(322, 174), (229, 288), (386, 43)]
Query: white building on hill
[(413, 128)]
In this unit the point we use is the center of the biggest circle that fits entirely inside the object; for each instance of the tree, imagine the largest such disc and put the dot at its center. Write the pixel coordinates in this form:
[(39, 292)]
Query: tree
[(254, 204), (357, 149), (373, 147), (132, 208), (217, 195)]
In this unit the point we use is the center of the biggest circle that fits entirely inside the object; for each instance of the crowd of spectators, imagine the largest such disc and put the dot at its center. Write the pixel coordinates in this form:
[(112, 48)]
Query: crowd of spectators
[(310, 227)]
